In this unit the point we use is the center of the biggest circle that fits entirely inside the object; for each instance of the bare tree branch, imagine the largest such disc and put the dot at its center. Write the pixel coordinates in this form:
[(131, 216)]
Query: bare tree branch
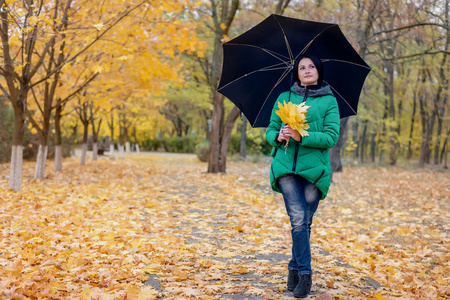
[(80, 88), (411, 26), (37, 102), (33, 121), (5, 92)]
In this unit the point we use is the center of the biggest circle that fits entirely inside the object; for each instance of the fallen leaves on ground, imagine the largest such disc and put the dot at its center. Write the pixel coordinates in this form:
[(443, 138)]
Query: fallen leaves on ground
[(392, 224), (99, 231)]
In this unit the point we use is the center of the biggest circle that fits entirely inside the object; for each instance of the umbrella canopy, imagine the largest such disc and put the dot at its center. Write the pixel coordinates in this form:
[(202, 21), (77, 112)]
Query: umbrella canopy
[(257, 65)]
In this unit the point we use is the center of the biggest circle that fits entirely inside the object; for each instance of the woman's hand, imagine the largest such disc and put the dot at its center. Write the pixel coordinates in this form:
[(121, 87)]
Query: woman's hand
[(287, 132)]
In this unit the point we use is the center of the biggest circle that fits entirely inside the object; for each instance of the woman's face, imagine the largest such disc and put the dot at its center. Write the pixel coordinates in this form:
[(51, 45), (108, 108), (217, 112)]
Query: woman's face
[(307, 72)]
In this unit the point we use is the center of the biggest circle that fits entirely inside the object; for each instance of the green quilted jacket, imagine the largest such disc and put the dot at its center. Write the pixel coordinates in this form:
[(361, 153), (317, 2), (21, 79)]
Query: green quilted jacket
[(308, 158)]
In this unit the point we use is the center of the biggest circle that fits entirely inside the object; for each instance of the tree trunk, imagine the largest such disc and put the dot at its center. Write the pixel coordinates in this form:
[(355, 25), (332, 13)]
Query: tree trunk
[(445, 160), (121, 144), (94, 151), (363, 142), (426, 138), (15, 176), (392, 115), (411, 128), (18, 98), (215, 142), (281, 6), (443, 84), (427, 125), (335, 152), (41, 161), (58, 139), (121, 151), (437, 146), (243, 145), (373, 147), (355, 126), (58, 158), (382, 138), (84, 146), (43, 146), (136, 141), (445, 152), (95, 133), (222, 19), (234, 114), (123, 134)]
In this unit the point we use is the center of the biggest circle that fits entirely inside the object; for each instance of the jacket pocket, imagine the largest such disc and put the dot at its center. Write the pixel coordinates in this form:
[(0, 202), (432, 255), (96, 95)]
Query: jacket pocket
[(272, 174), (318, 178), (274, 151)]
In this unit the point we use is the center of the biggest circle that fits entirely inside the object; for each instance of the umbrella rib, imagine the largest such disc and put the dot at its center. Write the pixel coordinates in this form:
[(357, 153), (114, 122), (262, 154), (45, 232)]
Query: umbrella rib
[(312, 40), (267, 68), (270, 52), (285, 73), (344, 61), (334, 90), (288, 47)]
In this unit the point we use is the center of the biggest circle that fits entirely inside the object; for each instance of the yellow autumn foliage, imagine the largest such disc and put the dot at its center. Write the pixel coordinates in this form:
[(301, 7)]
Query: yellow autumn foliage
[(294, 115)]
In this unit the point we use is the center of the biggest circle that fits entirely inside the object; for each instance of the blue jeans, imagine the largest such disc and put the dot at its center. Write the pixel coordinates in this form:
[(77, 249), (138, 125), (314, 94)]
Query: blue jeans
[(301, 198)]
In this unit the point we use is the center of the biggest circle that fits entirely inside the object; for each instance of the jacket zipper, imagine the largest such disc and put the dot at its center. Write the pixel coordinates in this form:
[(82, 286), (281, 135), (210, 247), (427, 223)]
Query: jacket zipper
[(295, 157), (298, 143), (306, 95)]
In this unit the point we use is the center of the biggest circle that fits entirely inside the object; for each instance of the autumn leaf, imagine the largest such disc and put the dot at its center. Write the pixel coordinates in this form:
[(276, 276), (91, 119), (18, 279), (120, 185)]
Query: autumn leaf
[(191, 292), (255, 291), (378, 296), (147, 293), (294, 115), (99, 26), (33, 20)]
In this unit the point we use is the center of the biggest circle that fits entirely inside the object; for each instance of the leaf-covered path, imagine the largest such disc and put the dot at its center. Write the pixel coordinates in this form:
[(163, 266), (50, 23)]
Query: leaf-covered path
[(147, 226)]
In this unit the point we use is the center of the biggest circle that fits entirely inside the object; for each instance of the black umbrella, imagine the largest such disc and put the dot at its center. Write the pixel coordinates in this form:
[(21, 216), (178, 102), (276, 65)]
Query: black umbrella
[(257, 65)]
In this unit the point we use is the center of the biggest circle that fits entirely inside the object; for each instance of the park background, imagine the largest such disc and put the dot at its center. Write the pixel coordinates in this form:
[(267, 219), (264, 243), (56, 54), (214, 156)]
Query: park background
[(142, 76)]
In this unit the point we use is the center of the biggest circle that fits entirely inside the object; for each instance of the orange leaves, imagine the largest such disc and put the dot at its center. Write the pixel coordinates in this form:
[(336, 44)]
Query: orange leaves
[(100, 231), (403, 228), (79, 242)]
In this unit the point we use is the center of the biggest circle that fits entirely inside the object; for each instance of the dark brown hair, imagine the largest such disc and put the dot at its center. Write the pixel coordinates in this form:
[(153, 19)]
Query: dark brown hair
[(316, 62)]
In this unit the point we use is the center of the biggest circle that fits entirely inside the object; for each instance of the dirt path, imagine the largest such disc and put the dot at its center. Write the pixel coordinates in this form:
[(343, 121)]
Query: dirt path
[(236, 235)]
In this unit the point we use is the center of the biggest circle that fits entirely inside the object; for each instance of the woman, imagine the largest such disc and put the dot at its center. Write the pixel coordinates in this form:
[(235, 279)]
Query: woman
[(302, 171)]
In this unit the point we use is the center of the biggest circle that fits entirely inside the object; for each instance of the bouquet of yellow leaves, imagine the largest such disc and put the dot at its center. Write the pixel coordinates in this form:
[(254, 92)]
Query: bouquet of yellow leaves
[(294, 115)]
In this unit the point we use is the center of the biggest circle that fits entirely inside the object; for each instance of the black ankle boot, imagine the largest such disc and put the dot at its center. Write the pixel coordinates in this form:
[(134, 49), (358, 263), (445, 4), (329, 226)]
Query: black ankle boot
[(303, 287), (292, 280)]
